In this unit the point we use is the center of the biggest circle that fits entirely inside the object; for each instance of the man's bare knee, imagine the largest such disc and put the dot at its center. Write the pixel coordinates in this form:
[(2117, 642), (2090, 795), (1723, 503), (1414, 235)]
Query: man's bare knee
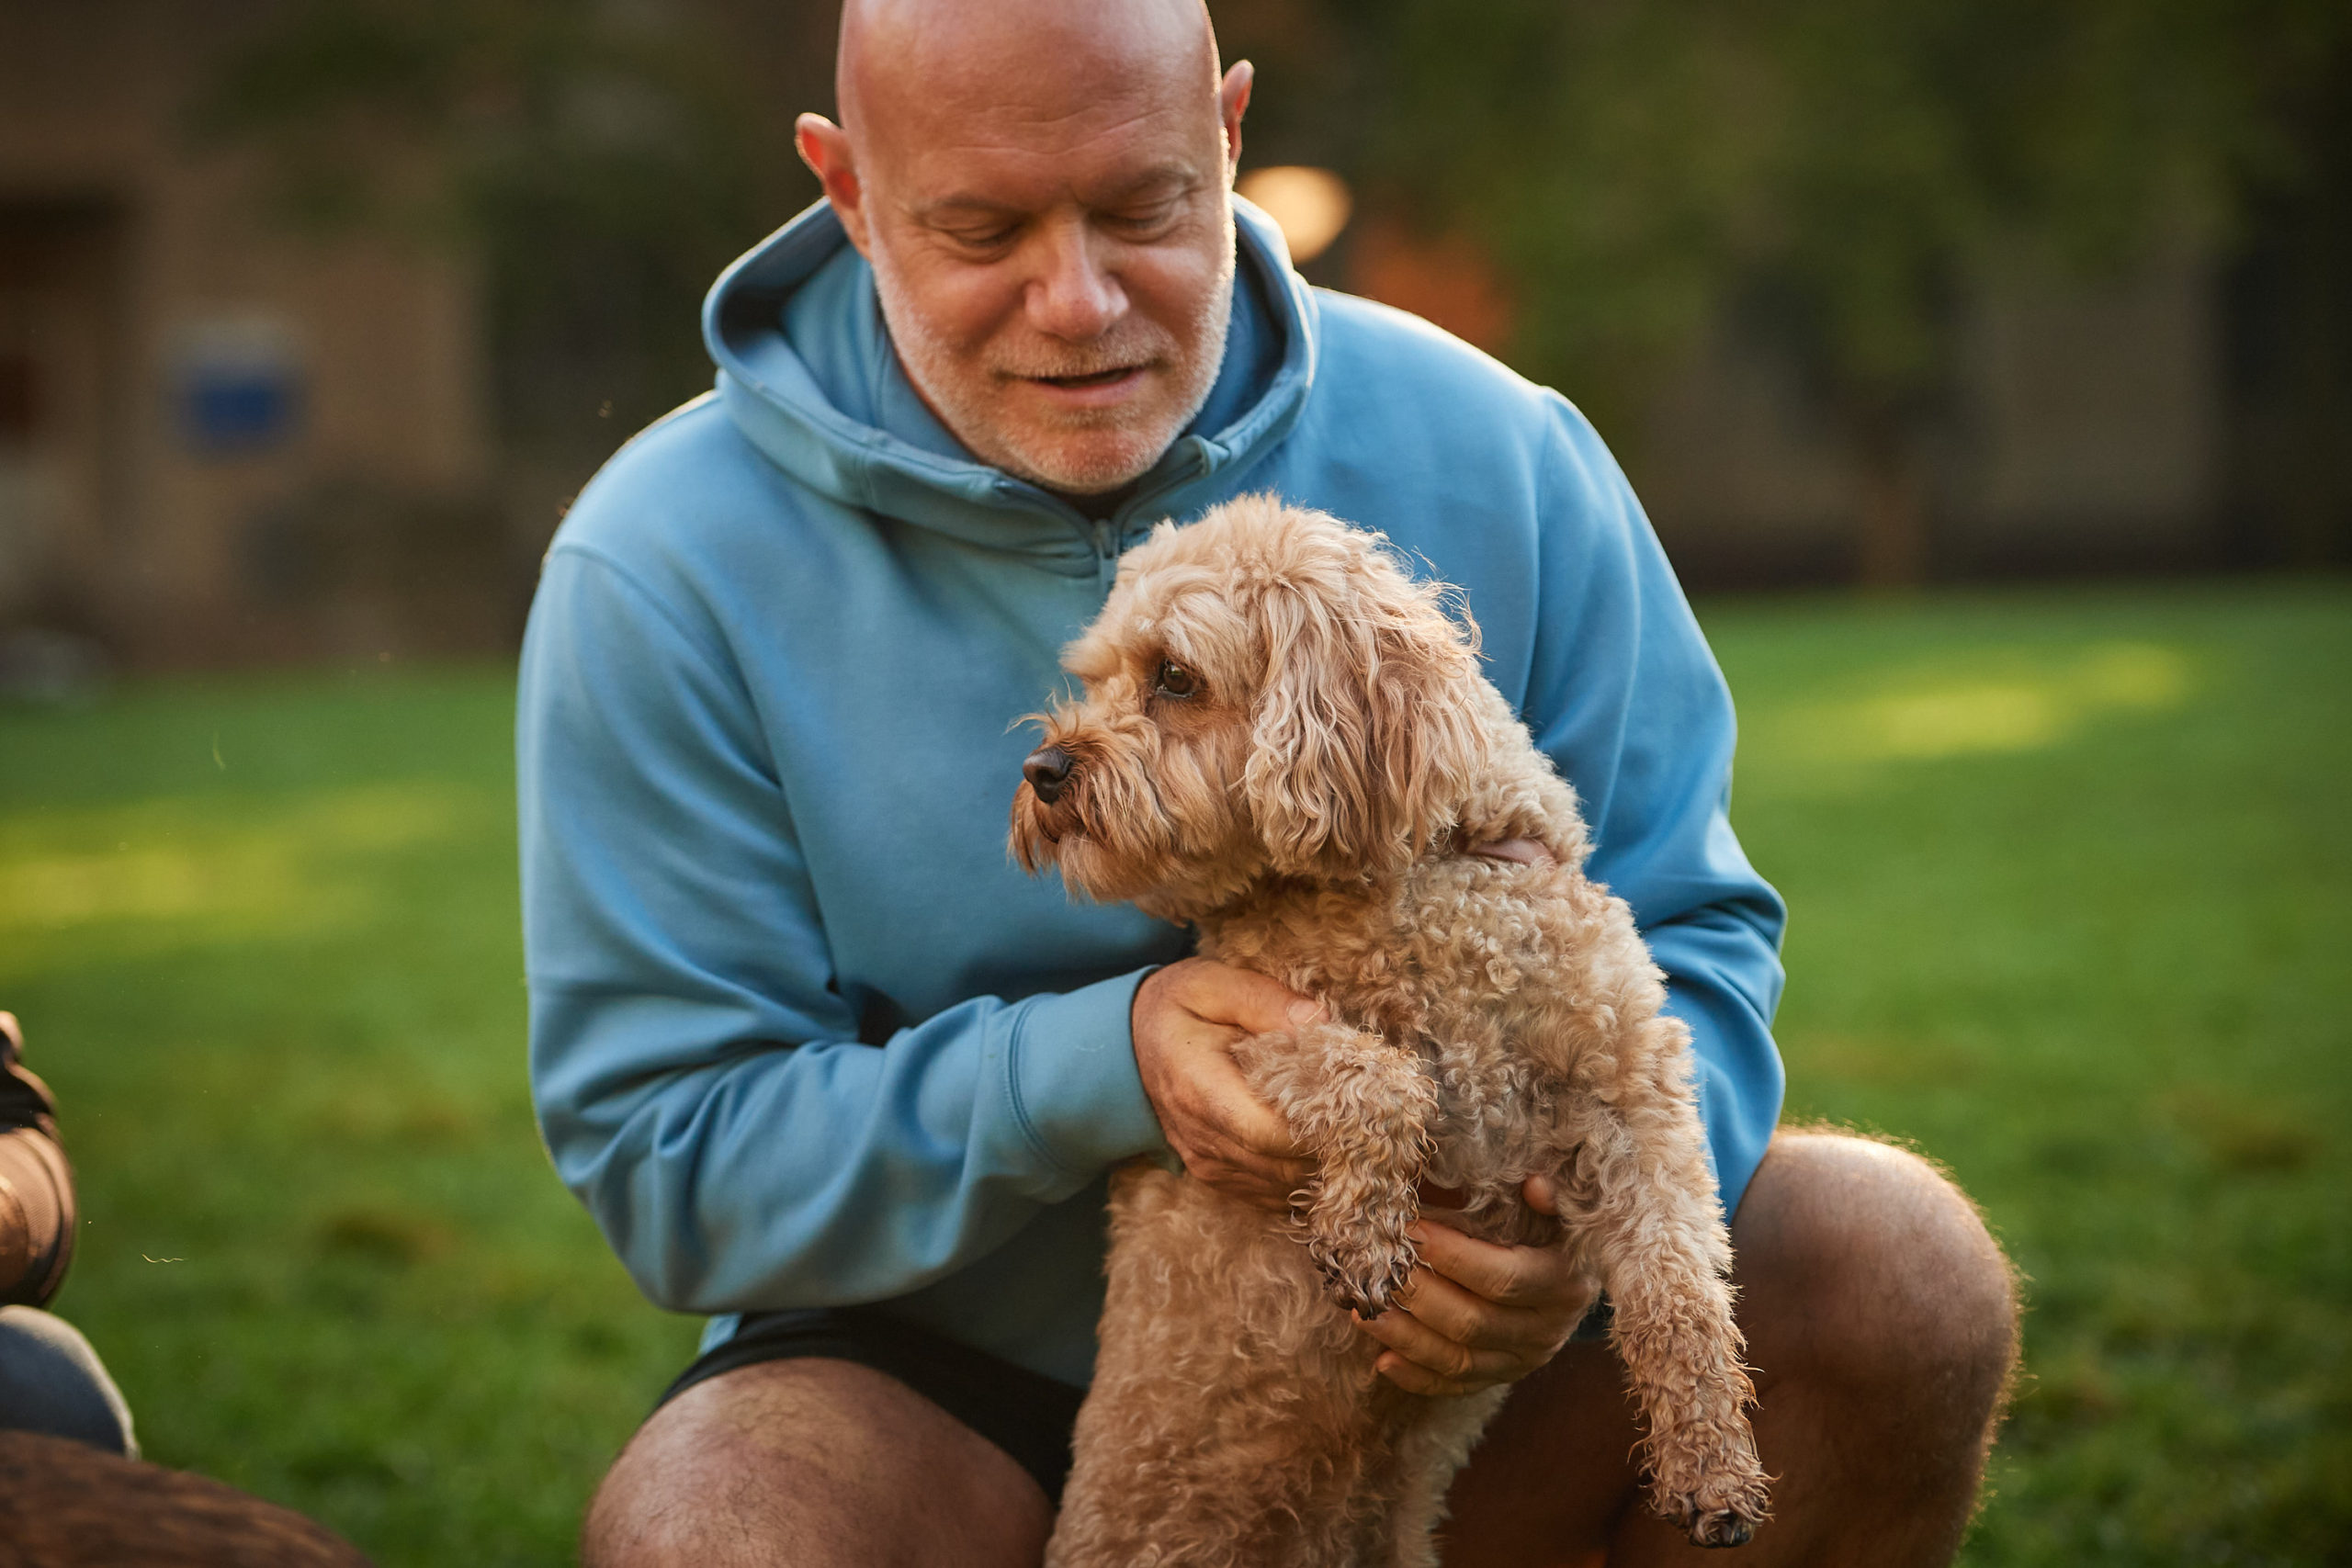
[(811, 1462), (1900, 1277)]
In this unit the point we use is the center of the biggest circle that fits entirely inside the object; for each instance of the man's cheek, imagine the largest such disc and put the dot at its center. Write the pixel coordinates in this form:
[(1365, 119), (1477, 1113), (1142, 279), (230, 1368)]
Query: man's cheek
[(961, 303), (1185, 263), (1172, 294)]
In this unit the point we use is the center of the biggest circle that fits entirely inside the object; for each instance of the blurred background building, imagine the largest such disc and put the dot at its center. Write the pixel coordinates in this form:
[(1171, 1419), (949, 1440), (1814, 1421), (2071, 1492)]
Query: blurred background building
[(221, 437), (313, 313)]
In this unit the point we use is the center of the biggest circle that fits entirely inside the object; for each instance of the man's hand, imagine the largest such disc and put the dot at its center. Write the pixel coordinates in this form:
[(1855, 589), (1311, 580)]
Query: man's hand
[(1187, 1019), (1474, 1314)]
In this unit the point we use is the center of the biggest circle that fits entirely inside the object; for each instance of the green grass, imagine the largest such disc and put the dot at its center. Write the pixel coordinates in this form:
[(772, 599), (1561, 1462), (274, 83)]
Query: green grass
[(2072, 886), (2070, 890)]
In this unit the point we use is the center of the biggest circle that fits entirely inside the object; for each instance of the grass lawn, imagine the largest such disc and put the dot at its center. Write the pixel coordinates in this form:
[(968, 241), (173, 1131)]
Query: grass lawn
[(2070, 877)]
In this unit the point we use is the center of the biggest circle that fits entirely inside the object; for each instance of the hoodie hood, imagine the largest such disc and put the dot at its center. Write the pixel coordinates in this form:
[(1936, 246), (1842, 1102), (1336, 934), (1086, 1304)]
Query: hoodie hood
[(819, 393)]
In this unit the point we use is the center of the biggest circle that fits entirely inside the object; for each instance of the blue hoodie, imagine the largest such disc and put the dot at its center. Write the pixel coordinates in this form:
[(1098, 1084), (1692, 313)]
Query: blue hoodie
[(801, 1034)]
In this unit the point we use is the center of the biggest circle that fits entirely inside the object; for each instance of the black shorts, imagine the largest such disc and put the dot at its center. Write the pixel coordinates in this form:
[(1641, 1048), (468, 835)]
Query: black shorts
[(1026, 1414)]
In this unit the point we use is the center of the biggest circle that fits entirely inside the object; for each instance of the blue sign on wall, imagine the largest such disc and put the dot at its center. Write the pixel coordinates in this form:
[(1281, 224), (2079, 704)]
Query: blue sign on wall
[(239, 389)]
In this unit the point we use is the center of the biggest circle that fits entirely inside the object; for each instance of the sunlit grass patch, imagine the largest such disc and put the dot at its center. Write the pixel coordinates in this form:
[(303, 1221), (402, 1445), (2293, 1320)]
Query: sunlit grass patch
[(182, 870), (1993, 700)]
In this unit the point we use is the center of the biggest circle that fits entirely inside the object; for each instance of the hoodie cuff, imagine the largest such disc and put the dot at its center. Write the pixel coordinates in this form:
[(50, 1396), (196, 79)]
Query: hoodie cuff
[(1073, 1081)]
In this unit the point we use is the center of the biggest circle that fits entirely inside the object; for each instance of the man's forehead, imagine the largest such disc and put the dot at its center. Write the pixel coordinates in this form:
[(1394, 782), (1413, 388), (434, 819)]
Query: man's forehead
[(931, 83)]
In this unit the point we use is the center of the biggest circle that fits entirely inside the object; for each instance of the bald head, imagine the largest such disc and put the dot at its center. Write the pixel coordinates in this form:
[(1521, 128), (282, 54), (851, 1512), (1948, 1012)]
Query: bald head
[(1044, 188), (903, 57)]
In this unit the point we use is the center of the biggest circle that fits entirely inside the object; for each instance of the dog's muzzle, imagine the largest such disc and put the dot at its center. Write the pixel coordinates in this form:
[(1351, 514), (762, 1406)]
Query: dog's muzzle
[(1047, 770)]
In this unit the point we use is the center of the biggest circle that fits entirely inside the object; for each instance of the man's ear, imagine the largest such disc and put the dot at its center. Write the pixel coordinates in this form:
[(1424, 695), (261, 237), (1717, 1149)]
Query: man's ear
[(824, 147), (1365, 742), (1232, 103)]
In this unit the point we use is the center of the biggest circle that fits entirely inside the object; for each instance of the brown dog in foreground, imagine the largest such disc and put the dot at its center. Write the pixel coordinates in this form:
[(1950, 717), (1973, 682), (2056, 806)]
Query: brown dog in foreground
[(66, 1504), (1286, 743)]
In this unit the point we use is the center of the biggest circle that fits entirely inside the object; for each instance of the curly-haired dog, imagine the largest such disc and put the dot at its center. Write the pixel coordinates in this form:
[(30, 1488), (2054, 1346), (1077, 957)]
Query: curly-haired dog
[(1286, 743)]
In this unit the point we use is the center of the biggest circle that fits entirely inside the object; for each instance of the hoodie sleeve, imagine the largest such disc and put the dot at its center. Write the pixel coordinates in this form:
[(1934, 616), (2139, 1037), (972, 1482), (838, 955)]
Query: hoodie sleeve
[(696, 1070), (1625, 697)]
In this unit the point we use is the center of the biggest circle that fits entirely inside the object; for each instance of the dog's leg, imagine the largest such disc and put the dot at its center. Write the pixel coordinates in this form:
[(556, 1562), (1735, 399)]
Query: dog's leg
[(1634, 1191), (1363, 1109)]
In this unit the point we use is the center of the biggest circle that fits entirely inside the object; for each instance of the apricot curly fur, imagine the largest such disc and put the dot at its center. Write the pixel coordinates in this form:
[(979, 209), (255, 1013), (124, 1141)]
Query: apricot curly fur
[(1309, 804)]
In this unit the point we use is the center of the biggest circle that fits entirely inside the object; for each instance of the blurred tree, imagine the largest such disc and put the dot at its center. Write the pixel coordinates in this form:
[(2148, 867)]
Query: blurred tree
[(1829, 174), (601, 159)]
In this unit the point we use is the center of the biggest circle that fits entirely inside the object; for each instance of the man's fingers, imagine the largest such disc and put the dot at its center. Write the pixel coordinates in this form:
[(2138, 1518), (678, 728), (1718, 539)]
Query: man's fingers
[(1249, 1122), (1405, 1333), (1243, 1173), (1213, 1154), (1413, 1378), (1242, 998), (1216, 1098), (1508, 1307), (1293, 1175), (1445, 1307), (1480, 1324), (1513, 1276), (1431, 1357), (1543, 1194)]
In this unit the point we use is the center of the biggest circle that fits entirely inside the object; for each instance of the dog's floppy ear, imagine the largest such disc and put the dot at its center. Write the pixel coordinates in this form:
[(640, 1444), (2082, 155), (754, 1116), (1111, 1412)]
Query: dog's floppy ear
[(1365, 739)]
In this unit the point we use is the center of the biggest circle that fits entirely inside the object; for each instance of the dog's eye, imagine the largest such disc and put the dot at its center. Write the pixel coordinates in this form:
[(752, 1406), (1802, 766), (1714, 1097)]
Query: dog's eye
[(1175, 681)]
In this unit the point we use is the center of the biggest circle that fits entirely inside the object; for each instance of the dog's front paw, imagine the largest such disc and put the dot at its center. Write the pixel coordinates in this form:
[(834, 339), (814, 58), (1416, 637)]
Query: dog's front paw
[(1721, 1526), (1366, 1287), (1719, 1520), (1360, 1244), (1365, 1110)]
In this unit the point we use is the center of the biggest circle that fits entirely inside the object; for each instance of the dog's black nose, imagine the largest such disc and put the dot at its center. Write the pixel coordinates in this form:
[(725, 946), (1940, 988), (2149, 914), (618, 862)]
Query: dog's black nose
[(1047, 770)]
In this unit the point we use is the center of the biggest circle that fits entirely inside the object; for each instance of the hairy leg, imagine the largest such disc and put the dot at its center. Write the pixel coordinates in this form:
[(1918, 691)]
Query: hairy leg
[(1880, 1319), (810, 1462)]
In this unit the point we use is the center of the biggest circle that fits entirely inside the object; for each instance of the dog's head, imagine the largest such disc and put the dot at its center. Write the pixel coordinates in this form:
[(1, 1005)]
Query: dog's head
[(1267, 694)]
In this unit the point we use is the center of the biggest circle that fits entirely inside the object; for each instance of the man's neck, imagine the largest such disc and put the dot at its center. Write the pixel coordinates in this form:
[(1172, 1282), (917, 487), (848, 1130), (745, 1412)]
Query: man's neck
[(1100, 506)]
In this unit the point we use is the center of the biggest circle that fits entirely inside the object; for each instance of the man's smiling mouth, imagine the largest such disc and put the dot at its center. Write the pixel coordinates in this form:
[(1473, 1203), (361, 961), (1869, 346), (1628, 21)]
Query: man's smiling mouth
[(1092, 379)]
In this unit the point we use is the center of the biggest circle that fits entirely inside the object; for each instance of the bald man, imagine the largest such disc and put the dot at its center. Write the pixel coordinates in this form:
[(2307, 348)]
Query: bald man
[(827, 1068)]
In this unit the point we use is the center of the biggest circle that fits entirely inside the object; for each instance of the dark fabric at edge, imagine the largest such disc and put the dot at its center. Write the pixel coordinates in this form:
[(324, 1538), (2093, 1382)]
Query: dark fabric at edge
[(1026, 1414)]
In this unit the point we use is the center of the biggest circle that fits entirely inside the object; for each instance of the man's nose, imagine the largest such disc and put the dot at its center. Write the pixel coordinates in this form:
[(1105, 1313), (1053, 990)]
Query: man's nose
[(1047, 768), (1073, 298)]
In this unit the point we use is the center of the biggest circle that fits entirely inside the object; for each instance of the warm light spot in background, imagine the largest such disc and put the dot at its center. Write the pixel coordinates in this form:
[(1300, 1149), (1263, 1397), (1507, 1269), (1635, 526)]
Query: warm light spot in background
[(1448, 280), (1311, 205)]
